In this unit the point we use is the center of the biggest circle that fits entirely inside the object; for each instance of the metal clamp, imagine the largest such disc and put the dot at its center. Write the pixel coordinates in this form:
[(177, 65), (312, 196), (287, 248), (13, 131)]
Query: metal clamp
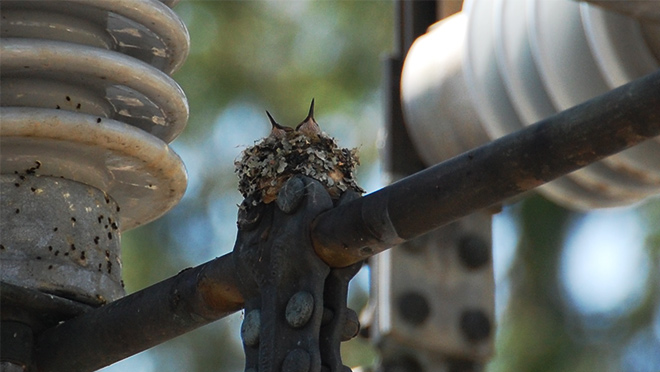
[(295, 305)]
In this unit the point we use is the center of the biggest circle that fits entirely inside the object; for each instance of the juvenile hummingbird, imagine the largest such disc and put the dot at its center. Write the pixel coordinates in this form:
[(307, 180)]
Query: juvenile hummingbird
[(309, 127), (278, 131)]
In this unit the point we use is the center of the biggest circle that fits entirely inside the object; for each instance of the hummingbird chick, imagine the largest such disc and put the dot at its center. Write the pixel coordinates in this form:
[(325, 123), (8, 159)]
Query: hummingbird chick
[(309, 126), (278, 131), (265, 167)]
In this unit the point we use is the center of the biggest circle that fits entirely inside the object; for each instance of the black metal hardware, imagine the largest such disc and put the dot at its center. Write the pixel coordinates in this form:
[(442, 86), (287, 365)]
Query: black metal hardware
[(295, 306)]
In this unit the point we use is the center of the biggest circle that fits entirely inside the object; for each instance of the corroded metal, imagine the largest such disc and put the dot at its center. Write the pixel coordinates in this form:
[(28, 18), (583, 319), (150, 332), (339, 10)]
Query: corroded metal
[(288, 289), (177, 305), (40, 310)]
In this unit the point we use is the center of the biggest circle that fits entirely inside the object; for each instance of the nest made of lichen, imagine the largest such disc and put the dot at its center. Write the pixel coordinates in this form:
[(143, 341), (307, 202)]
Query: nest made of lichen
[(265, 167)]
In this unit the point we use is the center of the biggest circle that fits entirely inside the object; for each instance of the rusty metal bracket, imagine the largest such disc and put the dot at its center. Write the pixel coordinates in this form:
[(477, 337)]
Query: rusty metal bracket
[(295, 307)]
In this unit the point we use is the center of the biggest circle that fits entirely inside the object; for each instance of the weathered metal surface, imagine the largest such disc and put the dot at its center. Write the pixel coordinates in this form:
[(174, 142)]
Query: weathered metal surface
[(295, 305), (37, 309), (281, 279), (16, 340), (491, 173), (98, 338), (11, 367), (59, 237)]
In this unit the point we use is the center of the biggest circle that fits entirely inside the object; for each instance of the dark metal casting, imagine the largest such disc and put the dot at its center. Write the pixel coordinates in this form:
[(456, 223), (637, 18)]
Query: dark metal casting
[(38, 309), (349, 233), (16, 340), (295, 305), (170, 308)]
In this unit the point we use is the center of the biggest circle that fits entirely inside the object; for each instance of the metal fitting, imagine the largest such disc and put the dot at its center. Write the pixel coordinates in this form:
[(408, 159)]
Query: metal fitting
[(299, 309), (290, 195), (251, 327), (298, 360)]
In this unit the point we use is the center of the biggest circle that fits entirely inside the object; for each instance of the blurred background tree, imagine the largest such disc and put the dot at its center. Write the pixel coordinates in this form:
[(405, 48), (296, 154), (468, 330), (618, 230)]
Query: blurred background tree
[(249, 56)]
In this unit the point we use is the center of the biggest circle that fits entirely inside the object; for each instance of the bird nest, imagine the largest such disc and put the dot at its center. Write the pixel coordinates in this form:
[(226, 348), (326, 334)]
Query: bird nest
[(264, 168)]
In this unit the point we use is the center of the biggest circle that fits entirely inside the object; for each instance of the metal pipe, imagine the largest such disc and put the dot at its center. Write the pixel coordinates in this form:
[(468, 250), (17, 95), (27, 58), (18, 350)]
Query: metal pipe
[(167, 309), (491, 173), (415, 205)]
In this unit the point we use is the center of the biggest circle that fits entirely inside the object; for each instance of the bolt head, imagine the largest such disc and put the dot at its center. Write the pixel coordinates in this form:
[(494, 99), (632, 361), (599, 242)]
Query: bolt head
[(298, 360), (251, 327), (290, 195), (299, 309), (351, 326)]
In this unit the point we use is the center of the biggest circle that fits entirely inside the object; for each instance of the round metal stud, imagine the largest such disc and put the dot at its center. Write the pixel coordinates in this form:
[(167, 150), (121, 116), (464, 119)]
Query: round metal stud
[(298, 360), (290, 195), (251, 327), (299, 309), (351, 326)]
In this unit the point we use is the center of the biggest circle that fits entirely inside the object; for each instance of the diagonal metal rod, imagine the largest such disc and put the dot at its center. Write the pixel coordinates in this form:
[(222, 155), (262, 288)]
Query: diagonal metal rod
[(489, 174), (413, 206), (144, 319)]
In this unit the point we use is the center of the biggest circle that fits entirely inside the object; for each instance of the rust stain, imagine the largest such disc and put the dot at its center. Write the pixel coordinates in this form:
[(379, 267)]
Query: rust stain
[(220, 296)]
